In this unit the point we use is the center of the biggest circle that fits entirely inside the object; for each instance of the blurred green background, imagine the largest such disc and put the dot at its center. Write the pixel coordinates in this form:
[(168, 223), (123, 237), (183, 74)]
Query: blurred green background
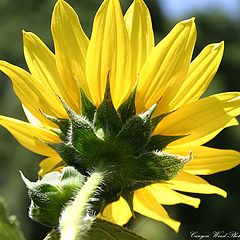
[(214, 213)]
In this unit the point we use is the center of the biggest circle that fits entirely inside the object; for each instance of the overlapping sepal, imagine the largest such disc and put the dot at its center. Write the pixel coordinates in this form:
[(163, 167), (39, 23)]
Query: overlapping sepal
[(122, 146)]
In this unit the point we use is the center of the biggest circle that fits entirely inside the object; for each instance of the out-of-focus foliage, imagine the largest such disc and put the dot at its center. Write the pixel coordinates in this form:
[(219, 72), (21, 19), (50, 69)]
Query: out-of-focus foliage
[(8, 225), (35, 16)]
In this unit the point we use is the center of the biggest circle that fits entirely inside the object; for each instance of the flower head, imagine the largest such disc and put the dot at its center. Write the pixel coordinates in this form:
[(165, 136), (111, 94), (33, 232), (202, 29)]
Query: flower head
[(120, 104)]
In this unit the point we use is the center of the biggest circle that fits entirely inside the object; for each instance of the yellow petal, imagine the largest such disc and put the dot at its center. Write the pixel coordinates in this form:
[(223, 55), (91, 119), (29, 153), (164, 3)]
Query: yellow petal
[(145, 204), (208, 160), (166, 66), (187, 182), (70, 44), (164, 195), (48, 164), (200, 74), (31, 118), (117, 212), (139, 26), (31, 137), (201, 120), (42, 65), (32, 93), (109, 53)]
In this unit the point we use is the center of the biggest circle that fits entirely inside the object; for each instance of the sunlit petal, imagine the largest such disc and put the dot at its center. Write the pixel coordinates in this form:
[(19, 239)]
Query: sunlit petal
[(200, 74), (164, 195), (31, 137), (145, 204), (48, 164), (166, 66), (201, 120), (70, 44), (208, 160), (32, 93), (42, 65), (187, 182), (139, 26), (109, 55), (117, 212), (31, 118)]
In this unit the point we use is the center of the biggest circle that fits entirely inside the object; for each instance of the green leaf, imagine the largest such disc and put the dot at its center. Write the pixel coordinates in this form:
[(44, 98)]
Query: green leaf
[(9, 229), (103, 230)]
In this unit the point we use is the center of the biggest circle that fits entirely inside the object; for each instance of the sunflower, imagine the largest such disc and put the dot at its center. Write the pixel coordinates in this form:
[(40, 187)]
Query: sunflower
[(120, 75)]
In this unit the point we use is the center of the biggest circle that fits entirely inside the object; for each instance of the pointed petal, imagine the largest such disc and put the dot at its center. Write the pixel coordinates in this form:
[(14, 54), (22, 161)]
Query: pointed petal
[(166, 66), (164, 195), (32, 93), (42, 65), (139, 26), (70, 44), (145, 204), (117, 212), (200, 74), (109, 53), (208, 160), (31, 137), (48, 164), (201, 120), (31, 118), (187, 182)]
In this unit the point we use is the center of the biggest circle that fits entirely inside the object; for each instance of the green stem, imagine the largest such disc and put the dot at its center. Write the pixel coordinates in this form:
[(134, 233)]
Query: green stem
[(74, 223)]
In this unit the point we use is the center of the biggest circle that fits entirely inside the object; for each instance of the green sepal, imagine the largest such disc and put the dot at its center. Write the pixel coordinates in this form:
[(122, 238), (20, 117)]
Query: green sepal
[(159, 142), (135, 133), (106, 117), (50, 194), (156, 120), (153, 167), (82, 134), (9, 226), (70, 155), (62, 123), (127, 109), (87, 107)]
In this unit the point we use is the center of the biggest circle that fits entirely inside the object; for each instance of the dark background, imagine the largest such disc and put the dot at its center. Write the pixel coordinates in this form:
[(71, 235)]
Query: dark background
[(215, 213)]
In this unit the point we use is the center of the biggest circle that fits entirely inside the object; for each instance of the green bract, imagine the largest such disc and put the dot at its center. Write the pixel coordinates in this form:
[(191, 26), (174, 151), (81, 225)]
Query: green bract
[(118, 143), (49, 195)]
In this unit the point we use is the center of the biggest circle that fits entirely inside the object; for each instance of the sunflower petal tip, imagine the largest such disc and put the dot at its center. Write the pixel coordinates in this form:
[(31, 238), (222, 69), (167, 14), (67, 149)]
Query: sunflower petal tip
[(224, 194), (188, 23), (59, 3), (176, 226), (26, 35), (197, 203), (218, 46)]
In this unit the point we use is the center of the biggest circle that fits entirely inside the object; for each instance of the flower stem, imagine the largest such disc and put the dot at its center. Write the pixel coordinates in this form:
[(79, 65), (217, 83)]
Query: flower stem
[(75, 220)]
